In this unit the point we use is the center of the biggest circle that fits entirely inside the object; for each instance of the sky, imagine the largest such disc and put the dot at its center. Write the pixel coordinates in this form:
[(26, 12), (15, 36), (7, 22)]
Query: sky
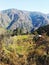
[(28, 5)]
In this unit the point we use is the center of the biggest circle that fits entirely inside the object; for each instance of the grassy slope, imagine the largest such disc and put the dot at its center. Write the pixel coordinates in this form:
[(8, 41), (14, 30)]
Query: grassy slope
[(18, 45), (21, 50)]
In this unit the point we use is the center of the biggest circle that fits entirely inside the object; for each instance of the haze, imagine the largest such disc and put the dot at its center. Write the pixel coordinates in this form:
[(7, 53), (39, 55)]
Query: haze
[(28, 5)]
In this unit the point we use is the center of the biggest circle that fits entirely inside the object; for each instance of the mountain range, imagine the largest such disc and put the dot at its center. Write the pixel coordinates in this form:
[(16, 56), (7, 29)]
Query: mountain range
[(25, 20)]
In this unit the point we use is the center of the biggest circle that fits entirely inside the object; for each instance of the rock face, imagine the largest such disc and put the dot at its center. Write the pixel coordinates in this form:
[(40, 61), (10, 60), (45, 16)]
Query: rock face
[(13, 18)]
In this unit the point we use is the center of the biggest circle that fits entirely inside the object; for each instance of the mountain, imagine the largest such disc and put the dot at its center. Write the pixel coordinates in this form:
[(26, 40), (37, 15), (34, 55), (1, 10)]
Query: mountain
[(25, 20)]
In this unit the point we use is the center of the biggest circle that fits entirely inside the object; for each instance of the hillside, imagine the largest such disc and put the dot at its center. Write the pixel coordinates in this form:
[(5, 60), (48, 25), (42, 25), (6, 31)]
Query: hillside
[(27, 21), (23, 49)]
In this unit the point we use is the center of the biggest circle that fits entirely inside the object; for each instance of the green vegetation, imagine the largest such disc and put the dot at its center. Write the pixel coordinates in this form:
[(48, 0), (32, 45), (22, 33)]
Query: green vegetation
[(43, 29), (23, 49)]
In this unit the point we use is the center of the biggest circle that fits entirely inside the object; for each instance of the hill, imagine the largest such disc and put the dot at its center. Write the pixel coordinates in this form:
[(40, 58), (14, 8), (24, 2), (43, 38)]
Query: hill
[(23, 50)]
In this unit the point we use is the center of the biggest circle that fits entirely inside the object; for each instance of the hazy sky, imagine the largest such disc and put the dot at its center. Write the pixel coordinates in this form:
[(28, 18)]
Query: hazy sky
[(29, 5)]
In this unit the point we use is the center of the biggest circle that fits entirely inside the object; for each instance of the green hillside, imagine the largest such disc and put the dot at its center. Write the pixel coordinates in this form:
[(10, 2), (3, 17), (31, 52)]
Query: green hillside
[(23, 49)]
